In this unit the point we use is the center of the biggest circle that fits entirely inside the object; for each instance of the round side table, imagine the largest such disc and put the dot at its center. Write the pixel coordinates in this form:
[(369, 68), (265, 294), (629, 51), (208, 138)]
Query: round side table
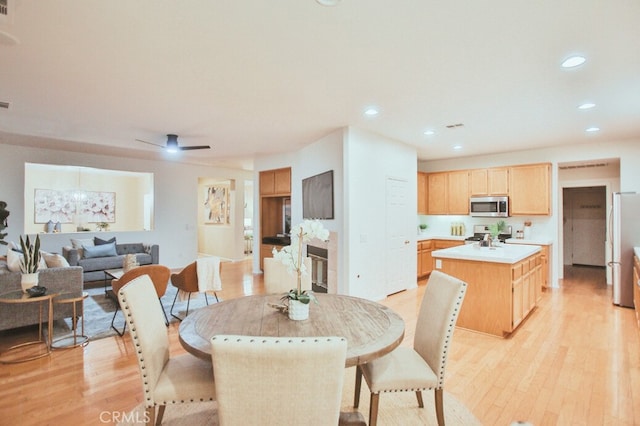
[(76, 339), (18, 296)]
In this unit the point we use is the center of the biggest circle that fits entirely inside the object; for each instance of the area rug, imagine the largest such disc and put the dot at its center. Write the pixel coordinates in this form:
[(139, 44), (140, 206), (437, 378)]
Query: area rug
[(99, 309), (396, 409)]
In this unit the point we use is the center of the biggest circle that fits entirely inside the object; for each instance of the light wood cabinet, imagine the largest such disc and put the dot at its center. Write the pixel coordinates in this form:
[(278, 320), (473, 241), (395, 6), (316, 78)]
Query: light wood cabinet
[(525, 280), (425, 260), (493, 181), (422, 193), (275, 190), (458, 192), (448, 192), (636, 288), (275, 182), (442, 244), (437, 193), (499, 295), (530, 190)]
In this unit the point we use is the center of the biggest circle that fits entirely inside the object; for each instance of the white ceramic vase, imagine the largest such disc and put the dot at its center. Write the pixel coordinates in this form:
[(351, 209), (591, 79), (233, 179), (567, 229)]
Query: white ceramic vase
[(28, 281), (298, 311)]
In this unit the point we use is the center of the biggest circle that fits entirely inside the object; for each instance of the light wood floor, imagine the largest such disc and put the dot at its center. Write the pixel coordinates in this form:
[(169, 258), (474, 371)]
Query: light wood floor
[(576, 360)]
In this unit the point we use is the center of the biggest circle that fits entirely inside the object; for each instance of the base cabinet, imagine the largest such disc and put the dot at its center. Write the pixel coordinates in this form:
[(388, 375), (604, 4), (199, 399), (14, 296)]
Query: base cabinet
[(424, 258), (636, 287), (499, 295)]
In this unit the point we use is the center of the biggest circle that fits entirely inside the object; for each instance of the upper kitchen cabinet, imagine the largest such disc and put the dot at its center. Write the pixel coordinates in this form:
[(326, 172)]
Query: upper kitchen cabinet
[(422, 193), (494, 181), (448, 192), (530, 190), (458, 186), (275, 182)]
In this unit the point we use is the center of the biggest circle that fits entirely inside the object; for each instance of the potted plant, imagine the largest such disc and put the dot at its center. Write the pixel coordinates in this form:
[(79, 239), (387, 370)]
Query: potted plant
[(423, 227), (291, 256), (496, 228), (30, 262)]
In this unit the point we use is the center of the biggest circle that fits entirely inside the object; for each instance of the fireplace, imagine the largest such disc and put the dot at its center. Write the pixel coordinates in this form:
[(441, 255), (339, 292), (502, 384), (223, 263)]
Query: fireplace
[(319, 268)]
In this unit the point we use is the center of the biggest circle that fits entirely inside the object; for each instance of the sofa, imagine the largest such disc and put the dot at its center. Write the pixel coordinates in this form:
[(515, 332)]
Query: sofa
[(57, 280), (94, 266)]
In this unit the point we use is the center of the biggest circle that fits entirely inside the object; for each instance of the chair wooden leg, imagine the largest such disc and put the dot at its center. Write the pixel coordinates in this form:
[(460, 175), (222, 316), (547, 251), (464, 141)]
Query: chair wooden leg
[(150, 416), (356, 397), (160, 414), (419, 396), (439, 406), (120, 333), (373, 409)]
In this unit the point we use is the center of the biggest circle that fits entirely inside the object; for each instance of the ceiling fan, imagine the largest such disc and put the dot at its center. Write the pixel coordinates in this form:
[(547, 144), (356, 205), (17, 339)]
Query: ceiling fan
[(172, 144)]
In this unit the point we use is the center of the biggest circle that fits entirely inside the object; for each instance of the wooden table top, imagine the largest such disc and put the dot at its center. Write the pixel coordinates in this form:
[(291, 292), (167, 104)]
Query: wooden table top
[(371, 329)]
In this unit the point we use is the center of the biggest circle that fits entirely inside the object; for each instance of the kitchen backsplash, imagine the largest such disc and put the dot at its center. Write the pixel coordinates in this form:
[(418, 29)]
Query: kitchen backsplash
[(440, 225)]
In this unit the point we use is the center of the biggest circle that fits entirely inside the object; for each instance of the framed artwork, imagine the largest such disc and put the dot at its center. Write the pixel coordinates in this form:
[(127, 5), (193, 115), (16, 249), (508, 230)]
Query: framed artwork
[(98, 206), (53, 205), (62, 206), (216, 205)]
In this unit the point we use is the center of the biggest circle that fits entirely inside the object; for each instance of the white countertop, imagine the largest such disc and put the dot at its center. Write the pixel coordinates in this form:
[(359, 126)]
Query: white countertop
[(506, 253), (534, 241)]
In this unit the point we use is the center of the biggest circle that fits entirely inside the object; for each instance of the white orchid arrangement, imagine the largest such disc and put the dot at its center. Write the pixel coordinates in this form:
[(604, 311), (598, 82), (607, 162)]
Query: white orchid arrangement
[(291, 255)]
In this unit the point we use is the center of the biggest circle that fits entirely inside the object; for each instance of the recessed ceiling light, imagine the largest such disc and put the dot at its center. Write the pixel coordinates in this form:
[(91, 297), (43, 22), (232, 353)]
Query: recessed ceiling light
[(586, 105), (429, 132), (371, 111), (573, 61), (328, 2), (592, 129), (457, 147)]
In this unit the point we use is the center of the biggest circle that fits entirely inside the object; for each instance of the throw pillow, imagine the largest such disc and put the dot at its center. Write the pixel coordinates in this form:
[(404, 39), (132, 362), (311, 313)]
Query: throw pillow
[(103, 250), (54, 260), (13, 260), (79, 243), (100, 242)]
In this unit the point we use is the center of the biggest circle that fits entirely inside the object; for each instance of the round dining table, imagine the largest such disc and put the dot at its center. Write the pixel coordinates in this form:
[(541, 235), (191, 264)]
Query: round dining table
[(371, 329)]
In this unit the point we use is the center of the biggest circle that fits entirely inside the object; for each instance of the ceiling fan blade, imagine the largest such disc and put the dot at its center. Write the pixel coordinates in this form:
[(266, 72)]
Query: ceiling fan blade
[(150, 143), (188, 148)]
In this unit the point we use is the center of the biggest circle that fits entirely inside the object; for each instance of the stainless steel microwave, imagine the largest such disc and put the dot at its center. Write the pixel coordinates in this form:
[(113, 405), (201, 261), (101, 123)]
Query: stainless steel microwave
[(489, 206)]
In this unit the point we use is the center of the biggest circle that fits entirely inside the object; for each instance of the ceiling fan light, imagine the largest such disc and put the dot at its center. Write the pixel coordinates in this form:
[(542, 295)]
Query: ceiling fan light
[(172, 143)]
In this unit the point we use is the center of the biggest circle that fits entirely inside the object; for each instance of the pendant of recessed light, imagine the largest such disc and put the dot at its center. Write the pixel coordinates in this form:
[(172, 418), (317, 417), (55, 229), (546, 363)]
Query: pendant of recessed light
[(328, 3)]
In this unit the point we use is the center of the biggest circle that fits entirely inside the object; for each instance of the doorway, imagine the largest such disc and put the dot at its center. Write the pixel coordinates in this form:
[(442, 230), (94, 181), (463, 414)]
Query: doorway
[(585, 225)]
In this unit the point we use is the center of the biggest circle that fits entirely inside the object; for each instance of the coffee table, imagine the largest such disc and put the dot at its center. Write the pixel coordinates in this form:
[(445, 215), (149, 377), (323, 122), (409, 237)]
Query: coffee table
[(112, 274), (19, 297)]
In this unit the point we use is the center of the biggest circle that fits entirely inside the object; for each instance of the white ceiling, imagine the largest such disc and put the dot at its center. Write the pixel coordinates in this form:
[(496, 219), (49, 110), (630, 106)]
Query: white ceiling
[(253, 77)]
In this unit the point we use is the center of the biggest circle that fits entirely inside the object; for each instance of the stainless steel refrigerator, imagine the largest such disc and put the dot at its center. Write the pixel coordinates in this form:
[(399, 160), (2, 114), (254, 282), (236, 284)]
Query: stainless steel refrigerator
[(624, 226)]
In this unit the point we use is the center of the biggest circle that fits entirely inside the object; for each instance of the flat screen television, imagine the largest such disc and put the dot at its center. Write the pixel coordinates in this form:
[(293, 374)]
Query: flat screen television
[(317, 196)]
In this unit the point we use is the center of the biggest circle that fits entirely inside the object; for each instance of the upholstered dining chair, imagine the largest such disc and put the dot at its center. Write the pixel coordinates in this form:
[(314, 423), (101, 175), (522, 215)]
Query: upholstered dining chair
[(187, 281), (159, 275), (421, 367), (165, 379), (277, 278), (278, 380)]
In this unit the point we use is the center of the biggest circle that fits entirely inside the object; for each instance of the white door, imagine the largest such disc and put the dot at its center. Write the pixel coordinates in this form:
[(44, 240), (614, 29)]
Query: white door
[(588, 233), (397, 227)]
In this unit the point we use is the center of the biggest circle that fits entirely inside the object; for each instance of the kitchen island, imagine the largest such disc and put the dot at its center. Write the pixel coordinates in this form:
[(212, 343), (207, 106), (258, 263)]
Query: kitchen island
[(504, 284)]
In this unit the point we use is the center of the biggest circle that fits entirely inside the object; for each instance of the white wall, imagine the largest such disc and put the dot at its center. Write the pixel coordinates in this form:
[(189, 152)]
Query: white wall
[(551, 227), (361, 162), (371, 159), (176, 203)]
